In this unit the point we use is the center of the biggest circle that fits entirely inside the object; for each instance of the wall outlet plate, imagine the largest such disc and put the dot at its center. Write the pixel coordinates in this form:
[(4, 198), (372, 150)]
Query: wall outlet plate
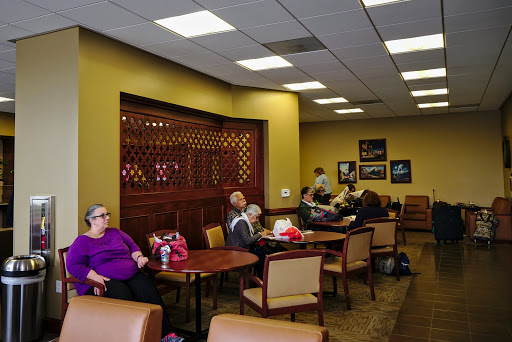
[(285, 192), (58, 286)]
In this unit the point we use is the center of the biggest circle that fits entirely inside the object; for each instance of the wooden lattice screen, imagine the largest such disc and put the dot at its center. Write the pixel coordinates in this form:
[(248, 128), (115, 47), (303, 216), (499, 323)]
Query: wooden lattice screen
[(166, 155)]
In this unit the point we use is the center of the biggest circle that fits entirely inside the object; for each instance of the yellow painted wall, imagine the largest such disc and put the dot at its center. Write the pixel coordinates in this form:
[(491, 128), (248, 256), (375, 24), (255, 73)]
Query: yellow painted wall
[(7, 124), (458, 155), (506, 124), (47, 139)]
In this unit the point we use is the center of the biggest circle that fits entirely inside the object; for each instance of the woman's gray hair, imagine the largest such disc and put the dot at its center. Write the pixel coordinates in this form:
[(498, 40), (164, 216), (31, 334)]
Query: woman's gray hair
[(232, 198), (90, 212), (253, 209)]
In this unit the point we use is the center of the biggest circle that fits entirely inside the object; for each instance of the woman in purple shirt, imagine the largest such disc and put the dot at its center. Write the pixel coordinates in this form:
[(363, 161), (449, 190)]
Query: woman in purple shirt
[(110, 257)]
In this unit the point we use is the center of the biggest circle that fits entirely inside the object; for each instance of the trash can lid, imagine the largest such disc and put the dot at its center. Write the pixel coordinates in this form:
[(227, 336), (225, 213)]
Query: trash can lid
[(23, 265)]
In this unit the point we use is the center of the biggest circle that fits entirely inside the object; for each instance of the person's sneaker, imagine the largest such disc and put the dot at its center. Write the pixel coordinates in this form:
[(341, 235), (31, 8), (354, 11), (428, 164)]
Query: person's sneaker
[(172, 337)]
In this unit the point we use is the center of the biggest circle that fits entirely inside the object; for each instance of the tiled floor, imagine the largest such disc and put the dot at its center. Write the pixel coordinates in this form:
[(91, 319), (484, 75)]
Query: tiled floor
[(464, 293)]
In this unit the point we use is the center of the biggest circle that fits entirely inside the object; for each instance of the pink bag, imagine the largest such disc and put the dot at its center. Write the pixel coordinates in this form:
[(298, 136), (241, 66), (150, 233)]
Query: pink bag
[(179, 249)]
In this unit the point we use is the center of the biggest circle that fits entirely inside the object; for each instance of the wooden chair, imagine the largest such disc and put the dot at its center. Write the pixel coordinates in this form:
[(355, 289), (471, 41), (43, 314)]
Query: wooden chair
[(395, 215), (179, 280), (303, 225), (289, 281), (355, 258), (384, 200), (384, 239), (68, 281)]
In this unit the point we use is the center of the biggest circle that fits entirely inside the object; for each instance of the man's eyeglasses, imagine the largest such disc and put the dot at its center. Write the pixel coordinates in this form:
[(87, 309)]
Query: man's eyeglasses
[(103, 216)]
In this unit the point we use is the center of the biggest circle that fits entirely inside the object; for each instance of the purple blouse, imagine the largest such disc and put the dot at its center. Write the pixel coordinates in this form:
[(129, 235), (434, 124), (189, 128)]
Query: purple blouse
[(109, 256)]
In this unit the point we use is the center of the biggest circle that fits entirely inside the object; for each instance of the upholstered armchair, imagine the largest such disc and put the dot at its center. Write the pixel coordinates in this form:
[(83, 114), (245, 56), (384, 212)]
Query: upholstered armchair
[(416, 213), (501, 207), (384, 200)]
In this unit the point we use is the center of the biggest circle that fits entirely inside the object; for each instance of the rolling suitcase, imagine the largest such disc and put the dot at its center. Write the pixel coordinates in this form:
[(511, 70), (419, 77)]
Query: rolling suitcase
[(447, 222), (486, 224)]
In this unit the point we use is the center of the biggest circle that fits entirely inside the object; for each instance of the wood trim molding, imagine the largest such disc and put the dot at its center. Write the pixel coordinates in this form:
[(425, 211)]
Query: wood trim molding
[(280, 211)]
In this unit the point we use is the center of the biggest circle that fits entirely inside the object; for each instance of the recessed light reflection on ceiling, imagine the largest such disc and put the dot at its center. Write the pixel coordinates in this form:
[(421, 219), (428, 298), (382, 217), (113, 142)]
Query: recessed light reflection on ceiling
[(345, 111), (331, 100), (264, 63), (441, 91), (433, 41), (414, 75), (433, 104), (195, 24), (304, 86), (5, 99), (370, 3)]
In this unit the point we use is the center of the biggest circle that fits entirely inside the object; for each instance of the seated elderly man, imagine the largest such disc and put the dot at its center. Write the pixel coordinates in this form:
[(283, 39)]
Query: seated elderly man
[(319, 196), (238, 202)]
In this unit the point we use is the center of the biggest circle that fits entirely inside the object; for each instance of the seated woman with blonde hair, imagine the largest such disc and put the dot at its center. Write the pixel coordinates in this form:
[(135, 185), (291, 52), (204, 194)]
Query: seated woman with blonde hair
[(371, 209)]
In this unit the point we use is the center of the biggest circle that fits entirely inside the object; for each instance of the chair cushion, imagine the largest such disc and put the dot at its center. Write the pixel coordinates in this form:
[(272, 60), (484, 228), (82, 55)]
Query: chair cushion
[(387, 249), (255, 295), (179, 277), (415, 216), (334, 265)]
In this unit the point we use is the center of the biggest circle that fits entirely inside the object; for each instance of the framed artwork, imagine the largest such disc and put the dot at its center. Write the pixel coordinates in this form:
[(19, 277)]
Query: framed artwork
[(400, 171), (372, 171), (347, 172), (372, 150)]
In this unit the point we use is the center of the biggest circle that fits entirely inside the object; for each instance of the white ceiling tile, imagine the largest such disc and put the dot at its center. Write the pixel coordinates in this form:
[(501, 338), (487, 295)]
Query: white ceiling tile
[(333, 76), (254, 14), (246, 52), (337, 22), (46, 23), (349, 39), (478, 38), (176, 48), (432, 99), (463, 109), (321, 94), (103, 16), (8, 55), (391, 81), (369, 62), (425, 86), (243, 75), (478, 20), (223, 41), (492, 102), (7, 107), (11, 71), (9, 32), (143, 34), (6, 47), (309, 58), (378, 115), (357, 116), (467, 6), (287, 30), (7, 78), (322, 68), (304, 9), (420, 56), (59, 5), (457, 57), (411, 29), (215, 4), (200, 60), (7, 88), (439, 110), (375, 71), (6, 65), (423, 65), (405, 11), (483, 70), (16, 10), (360, 51), (263, 83), (286, 75), (159, 9), (425, 81), (224, 69)]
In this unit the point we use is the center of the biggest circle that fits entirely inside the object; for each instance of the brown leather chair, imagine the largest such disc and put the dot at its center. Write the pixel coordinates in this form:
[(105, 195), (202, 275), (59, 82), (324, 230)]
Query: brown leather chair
[(91, 318), (231, 328), (501, 207), (384, 239), (416, 213), (384, 200)]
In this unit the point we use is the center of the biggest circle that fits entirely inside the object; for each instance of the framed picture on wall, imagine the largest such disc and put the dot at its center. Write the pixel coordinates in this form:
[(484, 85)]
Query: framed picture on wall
[(372, 150), (372, 171), (400, 171), (347, 172)]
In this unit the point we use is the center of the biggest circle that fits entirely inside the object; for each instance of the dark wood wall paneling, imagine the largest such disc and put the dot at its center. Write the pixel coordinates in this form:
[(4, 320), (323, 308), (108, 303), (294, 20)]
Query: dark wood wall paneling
[(185, 208)]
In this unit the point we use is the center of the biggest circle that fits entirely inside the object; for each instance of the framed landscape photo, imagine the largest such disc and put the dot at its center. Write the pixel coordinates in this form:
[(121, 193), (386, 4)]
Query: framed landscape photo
[(372, 171), (372, 150), (400, 171), (347, 172)]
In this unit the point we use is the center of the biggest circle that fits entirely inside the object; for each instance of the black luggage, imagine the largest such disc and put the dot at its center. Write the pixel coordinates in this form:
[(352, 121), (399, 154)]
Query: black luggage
[(448, 224)]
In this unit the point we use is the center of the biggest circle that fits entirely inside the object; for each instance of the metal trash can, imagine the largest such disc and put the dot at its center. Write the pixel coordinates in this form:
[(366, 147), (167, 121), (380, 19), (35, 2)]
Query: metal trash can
[(23, 298)]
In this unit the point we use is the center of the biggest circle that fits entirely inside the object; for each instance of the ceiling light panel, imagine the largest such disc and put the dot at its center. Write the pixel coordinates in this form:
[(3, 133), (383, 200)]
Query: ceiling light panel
[(331, 100), (429, 92), (304, 86), (430, 42), (345, 111), (370, 3), (433, 104), (5, 99), (264, 63), (195, 24), (429, 73)]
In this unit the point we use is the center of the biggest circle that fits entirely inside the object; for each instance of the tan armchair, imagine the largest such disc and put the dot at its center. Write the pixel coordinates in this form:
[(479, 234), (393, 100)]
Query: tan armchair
[(416, 213), (501, 207), (384, 200), (92, 318), (231, 328), (284, 288)]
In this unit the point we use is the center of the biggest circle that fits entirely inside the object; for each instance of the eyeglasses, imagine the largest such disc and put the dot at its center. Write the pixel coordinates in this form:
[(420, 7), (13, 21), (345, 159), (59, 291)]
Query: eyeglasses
[(103, 216)]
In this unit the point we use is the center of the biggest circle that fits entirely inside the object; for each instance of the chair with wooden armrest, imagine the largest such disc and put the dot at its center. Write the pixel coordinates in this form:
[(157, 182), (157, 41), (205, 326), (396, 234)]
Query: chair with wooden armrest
[(384, 200), (178, 280), (416, 213), (395, 214), (68, 281), (302, 225), (384, 239)]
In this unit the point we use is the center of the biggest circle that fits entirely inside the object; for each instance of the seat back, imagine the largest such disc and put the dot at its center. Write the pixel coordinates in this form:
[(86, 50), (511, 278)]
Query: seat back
[(384, 200), (91, 318), (303, 225), (416, 204), (501, 206), (358, 244), (385, 231), (392, 213), (150, 239), (213, 235), (293, 273)]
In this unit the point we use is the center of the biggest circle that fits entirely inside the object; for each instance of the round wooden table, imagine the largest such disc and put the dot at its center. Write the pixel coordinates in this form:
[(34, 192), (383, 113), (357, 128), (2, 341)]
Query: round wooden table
[(312, 237), (339, 225), (204, 261)]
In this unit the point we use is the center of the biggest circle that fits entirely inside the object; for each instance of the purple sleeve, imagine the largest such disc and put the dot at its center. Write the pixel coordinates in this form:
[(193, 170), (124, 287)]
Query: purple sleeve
[(77, 259), (128, 241)]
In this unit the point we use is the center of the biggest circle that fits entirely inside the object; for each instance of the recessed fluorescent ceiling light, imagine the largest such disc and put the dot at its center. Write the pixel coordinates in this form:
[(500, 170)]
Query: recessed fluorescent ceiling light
[(345, 111), (434, 104), (304, 86), (331, 100), (414, 75), (5, 99), (370, 3), (195, 24), (429, 92), (265, 63), (434, 41)]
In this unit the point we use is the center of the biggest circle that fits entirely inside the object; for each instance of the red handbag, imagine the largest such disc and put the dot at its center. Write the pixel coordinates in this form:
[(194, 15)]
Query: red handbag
[(179, 248)]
